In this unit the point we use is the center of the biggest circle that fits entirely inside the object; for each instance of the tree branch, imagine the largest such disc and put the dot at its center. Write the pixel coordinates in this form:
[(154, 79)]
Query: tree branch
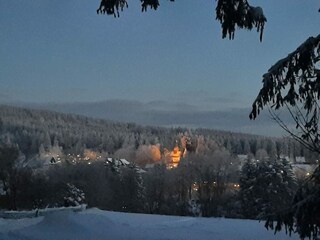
[(231, 14)]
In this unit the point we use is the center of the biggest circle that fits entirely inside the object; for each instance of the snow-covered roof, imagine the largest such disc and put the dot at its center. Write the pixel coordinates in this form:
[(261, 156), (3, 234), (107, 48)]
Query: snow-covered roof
[(149, 165), (140, 170), (118, 162), (242, 157), (124, 161), (300, 159), (304, 167)]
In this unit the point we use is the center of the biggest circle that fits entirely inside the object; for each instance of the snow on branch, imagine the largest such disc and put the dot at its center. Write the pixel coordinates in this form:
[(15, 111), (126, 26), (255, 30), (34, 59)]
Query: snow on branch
[(293, 83), (239, 13), (40, 212), (294, 79)]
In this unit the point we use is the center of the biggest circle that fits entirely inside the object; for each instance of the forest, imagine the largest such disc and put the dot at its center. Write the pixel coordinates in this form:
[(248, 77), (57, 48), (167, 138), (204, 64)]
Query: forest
[(36, 130), (49, 159)]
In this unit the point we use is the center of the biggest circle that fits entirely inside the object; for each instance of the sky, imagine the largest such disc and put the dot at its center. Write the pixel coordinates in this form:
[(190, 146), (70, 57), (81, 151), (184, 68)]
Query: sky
[(62, 51)]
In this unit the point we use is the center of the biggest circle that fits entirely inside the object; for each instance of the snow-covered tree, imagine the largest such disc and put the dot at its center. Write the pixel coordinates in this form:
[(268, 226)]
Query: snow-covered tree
[(210, 175), (266, 187), (74, 196), (293, 83), (9, 173), (132, 189), (303, 214), (154, 180)]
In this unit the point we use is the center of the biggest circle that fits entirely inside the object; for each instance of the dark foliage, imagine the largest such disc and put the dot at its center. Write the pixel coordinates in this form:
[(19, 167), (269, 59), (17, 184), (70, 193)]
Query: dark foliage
[(112, 7), (153, 4), (293, 83), (230, 13), (9, 174), (267, 187), (238, 13), (303, 215)]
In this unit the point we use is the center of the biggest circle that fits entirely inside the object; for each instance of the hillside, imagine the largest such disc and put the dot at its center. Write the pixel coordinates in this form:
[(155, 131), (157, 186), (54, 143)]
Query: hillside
[(96, 224), (65, 160), (169, 114), (73, 133)]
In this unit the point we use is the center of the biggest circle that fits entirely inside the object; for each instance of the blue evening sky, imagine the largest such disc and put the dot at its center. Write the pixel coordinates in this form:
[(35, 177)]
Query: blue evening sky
[(62, 51)]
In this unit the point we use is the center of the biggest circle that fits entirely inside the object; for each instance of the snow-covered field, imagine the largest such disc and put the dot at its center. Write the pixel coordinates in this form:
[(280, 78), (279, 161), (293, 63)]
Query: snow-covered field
[(97, 224)]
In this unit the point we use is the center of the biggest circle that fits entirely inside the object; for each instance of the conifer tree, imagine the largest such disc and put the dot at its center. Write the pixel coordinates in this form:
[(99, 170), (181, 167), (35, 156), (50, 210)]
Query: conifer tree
[(266, 187)]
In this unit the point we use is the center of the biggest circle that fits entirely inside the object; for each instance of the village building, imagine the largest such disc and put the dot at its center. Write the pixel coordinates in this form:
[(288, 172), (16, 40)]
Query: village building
[(174, 157)]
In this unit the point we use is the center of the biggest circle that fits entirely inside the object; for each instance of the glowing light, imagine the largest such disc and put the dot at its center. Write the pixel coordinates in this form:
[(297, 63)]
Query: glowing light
[(174, 157)]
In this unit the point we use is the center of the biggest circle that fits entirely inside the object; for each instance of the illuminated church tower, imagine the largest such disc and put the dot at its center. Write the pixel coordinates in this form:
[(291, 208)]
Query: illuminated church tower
[(174, 157)]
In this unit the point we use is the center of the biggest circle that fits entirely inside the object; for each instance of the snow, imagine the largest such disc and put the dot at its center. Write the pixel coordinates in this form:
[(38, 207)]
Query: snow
[(39, 212), (97, 224), (124, 161)]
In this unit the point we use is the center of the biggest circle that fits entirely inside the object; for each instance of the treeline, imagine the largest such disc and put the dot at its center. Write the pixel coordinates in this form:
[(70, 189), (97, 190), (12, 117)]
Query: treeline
[(32, 130), (199, 186), (210, 180)]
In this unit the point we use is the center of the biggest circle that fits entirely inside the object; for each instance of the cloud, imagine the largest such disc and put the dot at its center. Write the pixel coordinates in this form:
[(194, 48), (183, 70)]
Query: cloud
[(170, 114), (4, 95), (5, 98), (205, 100)]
